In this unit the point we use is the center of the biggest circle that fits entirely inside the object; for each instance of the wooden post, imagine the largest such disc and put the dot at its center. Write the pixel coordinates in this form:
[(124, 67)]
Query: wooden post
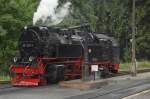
[(134, 71)]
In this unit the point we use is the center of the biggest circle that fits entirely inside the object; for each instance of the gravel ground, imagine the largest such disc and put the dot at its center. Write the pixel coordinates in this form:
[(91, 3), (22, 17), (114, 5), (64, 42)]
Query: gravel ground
[(141, 95), (42, 92), (55, 92)]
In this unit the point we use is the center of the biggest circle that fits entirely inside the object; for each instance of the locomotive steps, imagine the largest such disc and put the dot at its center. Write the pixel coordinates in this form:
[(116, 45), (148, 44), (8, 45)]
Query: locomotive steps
[(78, 84)]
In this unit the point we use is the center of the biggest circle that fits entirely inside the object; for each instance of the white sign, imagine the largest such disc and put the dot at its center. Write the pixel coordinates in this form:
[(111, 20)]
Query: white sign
[(94, 68)]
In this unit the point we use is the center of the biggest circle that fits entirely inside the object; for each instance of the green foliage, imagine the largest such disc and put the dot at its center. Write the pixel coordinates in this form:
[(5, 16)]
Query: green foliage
[(127, 55), (4, 77), (141, 65), (143, 29), (114, 16), (14, 14), (111, 16)]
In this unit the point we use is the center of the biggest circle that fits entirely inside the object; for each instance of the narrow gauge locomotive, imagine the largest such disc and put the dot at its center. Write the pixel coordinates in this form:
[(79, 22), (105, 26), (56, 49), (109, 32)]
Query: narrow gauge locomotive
[(49, 55)]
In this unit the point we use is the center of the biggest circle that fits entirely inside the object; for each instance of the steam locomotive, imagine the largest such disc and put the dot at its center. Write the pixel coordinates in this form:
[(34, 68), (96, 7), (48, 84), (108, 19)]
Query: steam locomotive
[(49, 55)]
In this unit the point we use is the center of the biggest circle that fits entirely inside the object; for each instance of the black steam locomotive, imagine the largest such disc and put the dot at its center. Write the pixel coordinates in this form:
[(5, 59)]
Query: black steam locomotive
[(52, 54)]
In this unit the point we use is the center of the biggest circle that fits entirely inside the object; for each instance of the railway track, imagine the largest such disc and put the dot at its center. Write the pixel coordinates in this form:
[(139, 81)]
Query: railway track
[(6, 85), (116, 93)]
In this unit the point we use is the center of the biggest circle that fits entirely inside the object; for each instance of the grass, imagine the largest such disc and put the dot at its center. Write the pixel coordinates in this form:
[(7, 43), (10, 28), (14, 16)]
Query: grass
[(141, 65), (4, 78)]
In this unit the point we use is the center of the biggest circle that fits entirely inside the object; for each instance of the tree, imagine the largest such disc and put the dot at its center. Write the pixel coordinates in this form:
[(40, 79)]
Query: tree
[(114, 16), (14, 15), (105, 16), (143, 29)]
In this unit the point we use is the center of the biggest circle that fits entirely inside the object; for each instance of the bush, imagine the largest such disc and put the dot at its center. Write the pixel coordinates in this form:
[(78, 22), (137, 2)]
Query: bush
[(127, 55)]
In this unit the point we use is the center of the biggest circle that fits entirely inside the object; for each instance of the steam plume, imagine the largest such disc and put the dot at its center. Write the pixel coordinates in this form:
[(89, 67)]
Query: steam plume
[(48, 12)]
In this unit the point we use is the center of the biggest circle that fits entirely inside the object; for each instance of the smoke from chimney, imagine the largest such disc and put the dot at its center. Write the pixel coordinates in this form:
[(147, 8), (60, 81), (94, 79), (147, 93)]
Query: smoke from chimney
[(49, 14)]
